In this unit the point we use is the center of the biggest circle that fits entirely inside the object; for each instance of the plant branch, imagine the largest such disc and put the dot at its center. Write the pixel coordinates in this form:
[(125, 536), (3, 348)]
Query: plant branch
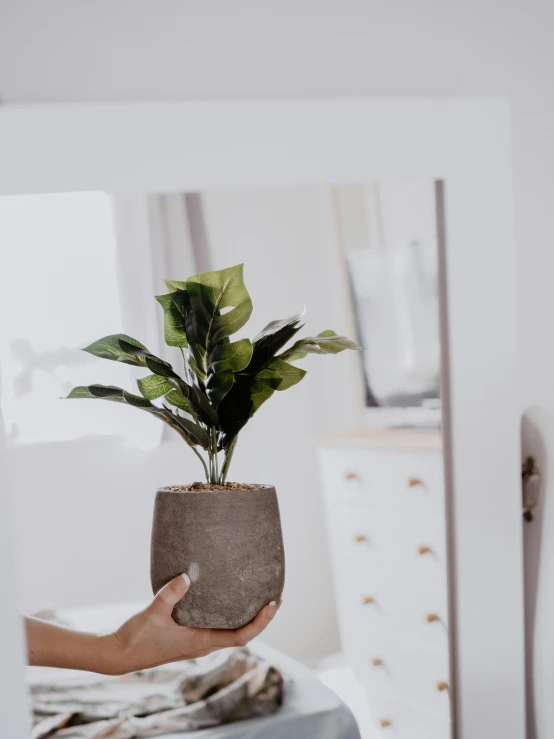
[(213, 455), (214, 442), (201, 458), (175, 426), (227, 462)]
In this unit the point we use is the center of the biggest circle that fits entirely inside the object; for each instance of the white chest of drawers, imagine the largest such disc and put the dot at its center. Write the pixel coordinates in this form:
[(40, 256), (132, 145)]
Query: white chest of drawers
[(384, 500)]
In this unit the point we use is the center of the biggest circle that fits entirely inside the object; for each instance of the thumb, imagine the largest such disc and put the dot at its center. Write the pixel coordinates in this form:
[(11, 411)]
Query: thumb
[(170, 594)]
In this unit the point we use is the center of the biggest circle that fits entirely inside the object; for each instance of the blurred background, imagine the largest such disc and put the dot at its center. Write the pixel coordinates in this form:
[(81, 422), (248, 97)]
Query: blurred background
[(86, 472)]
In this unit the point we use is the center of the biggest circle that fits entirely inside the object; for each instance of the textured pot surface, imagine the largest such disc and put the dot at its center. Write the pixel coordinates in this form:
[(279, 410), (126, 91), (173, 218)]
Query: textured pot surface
[(230, 544)]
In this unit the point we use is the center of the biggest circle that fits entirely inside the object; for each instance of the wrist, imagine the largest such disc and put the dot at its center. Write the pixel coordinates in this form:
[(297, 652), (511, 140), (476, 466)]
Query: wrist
[(111, 658)]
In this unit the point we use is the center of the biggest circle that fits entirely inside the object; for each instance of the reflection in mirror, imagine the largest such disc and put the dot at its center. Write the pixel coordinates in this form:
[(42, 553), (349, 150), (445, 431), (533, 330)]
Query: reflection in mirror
[(361, 258), (388, 240)]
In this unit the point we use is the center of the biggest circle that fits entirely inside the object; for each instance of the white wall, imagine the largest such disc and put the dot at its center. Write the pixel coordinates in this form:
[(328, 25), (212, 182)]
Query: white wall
[(13, 697), (75, 50)]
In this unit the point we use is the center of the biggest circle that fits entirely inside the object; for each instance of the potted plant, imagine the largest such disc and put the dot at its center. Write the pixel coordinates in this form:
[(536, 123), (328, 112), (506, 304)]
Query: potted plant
[(226, 536)]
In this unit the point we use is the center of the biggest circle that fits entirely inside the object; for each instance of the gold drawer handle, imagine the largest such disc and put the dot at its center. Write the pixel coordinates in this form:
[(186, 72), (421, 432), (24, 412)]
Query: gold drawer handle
[(422, 550), (368, 600), (415, 482), (385, 722), (360, 539), (432, 618), (442, 685), (351, 476), (377, 662)]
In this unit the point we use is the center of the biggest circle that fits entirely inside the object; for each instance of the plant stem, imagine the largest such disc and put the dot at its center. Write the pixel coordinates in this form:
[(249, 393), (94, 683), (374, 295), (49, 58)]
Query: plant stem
[(201, 458), (177, 428), (213, 456), (211, 465), (227, 462)]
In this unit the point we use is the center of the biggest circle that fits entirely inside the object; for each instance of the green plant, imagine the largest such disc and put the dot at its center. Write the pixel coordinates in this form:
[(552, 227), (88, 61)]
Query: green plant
[(223, 382)]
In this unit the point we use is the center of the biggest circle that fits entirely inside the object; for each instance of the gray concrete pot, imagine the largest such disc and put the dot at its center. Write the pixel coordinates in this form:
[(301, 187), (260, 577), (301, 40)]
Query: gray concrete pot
[(230, 544)]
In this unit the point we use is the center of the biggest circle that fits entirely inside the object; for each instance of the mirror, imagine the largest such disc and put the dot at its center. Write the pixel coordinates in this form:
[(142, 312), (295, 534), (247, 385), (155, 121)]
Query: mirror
[(362, 258)]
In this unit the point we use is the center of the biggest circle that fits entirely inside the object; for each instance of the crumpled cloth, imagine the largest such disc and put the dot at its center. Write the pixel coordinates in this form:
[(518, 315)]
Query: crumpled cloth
[(230, 685)]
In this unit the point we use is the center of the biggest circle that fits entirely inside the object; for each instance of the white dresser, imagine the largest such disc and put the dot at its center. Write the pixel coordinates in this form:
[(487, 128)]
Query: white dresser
[(384, 499)]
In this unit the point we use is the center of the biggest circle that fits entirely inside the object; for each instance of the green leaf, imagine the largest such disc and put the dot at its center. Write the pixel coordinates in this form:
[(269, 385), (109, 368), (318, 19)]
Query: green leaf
[(261, 390), (175, 306), (161, 368), (248, 393), (233, 356), (96, 391), (196, 399), (194, 396), (278, 375), (155, 364), (286, 373), (109, 347), (274, 328), (235, 409), (190, 431), (153, 386), (113, 393), (326, 342), (178, 401), (210, 293), (268, 372), (219, 306), (197, 434), (138, 402), (271, 339), (174, 285), (218, 385)]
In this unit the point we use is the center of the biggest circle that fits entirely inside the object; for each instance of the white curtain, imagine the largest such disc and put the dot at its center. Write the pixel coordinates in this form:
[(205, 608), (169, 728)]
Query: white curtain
[(160, 236)]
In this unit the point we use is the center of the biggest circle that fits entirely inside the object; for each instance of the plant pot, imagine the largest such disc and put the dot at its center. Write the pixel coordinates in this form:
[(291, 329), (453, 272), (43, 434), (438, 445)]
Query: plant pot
[(230, 544)]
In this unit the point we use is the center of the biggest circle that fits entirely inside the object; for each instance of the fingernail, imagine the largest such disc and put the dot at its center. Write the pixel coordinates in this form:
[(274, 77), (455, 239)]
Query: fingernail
[(273, 604), (186, 578)]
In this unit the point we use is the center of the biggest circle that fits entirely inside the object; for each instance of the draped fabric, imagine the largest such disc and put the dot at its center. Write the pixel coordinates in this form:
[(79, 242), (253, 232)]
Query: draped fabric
[(228, 686)]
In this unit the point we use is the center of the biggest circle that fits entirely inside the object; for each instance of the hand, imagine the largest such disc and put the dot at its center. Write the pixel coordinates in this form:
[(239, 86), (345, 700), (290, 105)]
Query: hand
[(152, 638), (148, 639)]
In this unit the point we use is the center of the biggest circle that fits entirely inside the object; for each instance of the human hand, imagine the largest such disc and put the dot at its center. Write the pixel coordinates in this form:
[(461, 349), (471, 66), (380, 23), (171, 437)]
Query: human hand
[(152, 638)]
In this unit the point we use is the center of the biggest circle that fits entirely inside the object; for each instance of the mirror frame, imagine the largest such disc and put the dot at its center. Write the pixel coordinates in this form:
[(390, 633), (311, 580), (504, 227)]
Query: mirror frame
[(463, 143)]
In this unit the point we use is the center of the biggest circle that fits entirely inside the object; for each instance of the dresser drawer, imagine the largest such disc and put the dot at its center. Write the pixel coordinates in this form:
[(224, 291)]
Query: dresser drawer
[(423, 677), (396, 482), (402, 547), (395, 670), (414, 611), (404, 721)]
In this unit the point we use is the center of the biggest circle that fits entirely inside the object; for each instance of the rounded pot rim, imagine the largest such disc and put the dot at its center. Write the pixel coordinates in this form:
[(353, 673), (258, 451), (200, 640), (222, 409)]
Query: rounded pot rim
[(257, 488)]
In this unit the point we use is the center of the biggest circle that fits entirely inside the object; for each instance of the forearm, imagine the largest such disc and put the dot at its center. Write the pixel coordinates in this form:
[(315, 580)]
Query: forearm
[(49, 645), (148, 639)]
